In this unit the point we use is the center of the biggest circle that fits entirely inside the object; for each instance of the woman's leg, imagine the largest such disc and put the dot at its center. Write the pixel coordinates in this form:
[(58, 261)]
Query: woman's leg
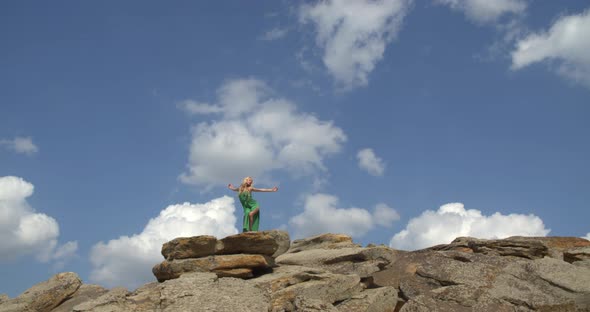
[(253, 218)]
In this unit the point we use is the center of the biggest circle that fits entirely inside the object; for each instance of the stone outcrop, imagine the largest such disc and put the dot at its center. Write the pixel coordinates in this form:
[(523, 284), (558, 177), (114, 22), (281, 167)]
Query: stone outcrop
[(261, 271), (242, 255), (45, 296)]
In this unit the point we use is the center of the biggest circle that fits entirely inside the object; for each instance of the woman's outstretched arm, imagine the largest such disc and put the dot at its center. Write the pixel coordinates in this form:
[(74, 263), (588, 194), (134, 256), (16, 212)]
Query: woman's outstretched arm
[(274, 189), (231, 187)]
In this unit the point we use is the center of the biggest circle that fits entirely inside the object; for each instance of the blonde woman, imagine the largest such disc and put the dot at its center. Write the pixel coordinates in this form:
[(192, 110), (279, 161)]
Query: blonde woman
[(250, 205)]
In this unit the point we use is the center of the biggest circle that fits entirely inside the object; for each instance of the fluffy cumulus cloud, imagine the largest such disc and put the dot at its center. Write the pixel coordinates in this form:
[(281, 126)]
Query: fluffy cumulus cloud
[(453, 220), (369, 162), (255, 134), (21, 145), (128, 260), (486, 11), (321, 214), (384, 215), (353, 34), (587, 236), (23, 231), (566, 43)]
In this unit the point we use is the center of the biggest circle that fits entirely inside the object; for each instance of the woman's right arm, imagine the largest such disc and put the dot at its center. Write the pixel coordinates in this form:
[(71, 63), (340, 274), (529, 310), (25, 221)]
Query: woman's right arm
[(231, 187)]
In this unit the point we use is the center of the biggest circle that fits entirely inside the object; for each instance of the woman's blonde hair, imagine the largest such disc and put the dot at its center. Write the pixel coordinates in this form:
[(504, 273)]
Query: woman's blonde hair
[(243, 186)]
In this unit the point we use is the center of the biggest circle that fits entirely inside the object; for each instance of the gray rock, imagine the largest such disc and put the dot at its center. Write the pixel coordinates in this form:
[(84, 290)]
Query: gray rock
[(86, 292), (357, 260), (3, 298), (205, 292), (189, 247), (577, 254), (372, 300), (323, 241), (114, 300), (287, 283), (44, 296), (516, 246)]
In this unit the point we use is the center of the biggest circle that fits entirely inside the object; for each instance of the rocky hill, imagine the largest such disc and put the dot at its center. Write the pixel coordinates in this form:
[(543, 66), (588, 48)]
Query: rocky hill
[(265, 271)]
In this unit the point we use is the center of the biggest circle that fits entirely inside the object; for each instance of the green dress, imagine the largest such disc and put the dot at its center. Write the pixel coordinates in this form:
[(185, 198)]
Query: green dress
[(249, 204)]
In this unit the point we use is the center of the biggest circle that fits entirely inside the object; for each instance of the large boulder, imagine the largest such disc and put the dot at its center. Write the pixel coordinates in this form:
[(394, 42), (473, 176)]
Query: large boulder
[(224, 265), (189, 247), (44, 296), (271, 243)]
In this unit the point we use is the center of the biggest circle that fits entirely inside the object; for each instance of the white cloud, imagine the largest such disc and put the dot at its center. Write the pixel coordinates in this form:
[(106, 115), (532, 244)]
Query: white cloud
[(453, 220), (21, 145), (321, 214), (24, 231), (255, 135), (567, 42), (353, 34), (274, 34), (128, 260), (370, 162), (195, 108), (486, 11), (384, 215), (587, 236)]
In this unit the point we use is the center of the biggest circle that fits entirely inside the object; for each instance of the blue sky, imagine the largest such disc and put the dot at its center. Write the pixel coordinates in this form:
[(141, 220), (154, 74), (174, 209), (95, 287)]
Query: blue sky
[(398, 122)]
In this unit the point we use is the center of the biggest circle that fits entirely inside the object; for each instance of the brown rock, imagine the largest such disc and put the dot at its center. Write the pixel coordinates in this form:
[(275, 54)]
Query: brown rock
[(173, 269), (46, 295), (189, 247), (270, 243), (237, 273)]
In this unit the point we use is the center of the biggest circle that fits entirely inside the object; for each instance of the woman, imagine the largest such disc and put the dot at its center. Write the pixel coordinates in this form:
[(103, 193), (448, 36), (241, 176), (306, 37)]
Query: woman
[(251, 208)]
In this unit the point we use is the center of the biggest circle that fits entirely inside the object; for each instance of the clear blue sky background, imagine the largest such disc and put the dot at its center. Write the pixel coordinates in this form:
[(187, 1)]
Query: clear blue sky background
[(98, 88)]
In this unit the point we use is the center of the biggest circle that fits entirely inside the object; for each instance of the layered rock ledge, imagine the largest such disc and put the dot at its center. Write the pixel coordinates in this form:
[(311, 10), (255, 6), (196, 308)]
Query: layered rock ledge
[(264, 271)]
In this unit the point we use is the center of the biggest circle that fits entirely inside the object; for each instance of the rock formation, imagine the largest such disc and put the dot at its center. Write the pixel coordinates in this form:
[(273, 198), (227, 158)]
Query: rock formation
[(264, 271)]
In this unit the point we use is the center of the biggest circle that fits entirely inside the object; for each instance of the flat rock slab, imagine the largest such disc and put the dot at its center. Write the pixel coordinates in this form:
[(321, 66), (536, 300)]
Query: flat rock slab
[(357, 260), (323, 241), (270, 243), (516, 246), (189, 247), (44, 296), (174, 269)]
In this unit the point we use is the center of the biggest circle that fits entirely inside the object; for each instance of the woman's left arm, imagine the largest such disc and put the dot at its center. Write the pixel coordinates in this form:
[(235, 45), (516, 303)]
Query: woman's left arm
[(274, 189)]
